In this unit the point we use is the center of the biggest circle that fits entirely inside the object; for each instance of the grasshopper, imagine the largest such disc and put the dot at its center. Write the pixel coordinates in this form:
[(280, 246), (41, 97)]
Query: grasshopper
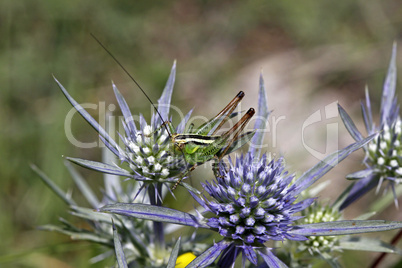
[(199, 146), (203, 144)]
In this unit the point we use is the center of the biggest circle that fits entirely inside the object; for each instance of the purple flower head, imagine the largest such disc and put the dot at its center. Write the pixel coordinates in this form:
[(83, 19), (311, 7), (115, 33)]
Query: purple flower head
[(253, 202)]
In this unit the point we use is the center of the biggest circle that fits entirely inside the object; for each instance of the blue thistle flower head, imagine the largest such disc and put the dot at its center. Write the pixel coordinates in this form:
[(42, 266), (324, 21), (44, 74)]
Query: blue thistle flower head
[(253, 202), (383, 154)]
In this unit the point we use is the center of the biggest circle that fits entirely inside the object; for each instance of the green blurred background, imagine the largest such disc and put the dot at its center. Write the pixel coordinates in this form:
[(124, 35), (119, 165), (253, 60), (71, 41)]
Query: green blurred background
[(219, 47)]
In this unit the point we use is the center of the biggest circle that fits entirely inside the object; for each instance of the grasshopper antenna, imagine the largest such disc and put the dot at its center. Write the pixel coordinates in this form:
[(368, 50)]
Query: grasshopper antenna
[(132, 78), (138, 85)]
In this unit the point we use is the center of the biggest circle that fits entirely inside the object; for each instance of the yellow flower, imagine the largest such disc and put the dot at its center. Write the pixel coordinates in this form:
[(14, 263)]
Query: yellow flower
[(184, 259)]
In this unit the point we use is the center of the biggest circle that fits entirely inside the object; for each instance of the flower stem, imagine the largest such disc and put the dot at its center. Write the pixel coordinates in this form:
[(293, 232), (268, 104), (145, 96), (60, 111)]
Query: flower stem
[(382, 255), (155, 199)]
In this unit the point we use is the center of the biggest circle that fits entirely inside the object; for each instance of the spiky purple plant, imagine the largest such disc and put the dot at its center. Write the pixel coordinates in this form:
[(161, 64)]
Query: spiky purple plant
[(383, 160), (146, 148), (253, 201)]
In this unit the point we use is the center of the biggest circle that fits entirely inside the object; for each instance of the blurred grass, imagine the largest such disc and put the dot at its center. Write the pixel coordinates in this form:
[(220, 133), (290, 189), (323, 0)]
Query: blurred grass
[(212, 43)]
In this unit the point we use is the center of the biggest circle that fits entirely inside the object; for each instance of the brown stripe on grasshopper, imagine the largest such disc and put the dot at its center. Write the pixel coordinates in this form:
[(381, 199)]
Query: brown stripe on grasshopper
[(241, 125), (219, 145)]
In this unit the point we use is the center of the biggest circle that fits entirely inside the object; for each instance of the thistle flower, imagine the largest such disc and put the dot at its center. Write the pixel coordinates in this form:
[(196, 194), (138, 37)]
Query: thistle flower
[(315, 214), (147, 150), (383, 155), (252, 203), (147, 158), (318, 250)]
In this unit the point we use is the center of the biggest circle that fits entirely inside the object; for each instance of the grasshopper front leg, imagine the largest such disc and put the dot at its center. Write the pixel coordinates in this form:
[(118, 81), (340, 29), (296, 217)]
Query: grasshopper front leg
[(184, 175)]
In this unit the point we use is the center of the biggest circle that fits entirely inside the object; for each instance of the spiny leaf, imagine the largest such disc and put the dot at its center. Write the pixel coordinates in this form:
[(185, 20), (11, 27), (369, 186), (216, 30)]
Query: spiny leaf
[(345, 227), (101, 167), (367, 244), (82, 185), (350, 126), (121, 258), (261, 120), (153, 213), (316, 172), (64, 196), (174, 254)]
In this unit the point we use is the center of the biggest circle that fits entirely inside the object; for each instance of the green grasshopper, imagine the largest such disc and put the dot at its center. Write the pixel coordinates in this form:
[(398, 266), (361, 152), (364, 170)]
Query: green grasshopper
[(199, 146), (203, 144)]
